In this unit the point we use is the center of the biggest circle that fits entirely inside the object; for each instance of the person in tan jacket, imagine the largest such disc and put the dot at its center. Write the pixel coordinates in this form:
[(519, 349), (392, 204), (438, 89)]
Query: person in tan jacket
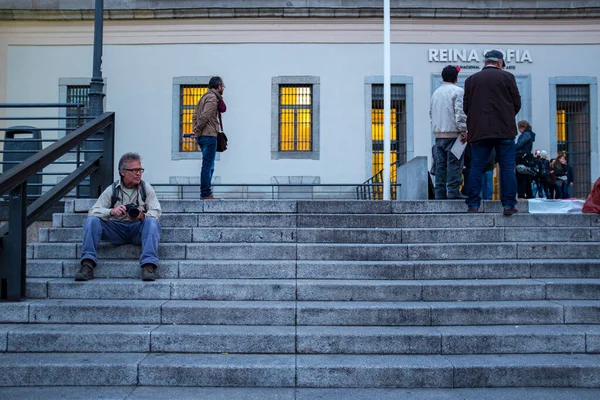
[(206, 123)]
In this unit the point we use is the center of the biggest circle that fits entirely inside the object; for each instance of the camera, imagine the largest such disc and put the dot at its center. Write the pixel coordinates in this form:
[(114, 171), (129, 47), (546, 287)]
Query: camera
[(132, 210)]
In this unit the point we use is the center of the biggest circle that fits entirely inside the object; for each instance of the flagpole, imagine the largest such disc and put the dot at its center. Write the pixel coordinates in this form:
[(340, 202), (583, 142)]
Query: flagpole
[(386, 100)]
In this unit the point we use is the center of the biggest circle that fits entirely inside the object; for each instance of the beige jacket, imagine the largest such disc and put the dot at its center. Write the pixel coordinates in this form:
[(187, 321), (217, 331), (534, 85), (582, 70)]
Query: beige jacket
[(101, 208), (205, 119)]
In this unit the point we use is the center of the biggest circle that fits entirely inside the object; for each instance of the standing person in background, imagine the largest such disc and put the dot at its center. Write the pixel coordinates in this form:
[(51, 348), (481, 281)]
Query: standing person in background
[(523, 149), (567, 191), (557, 174), (206, 123), (543, 177), (491, 102), (448, 122)]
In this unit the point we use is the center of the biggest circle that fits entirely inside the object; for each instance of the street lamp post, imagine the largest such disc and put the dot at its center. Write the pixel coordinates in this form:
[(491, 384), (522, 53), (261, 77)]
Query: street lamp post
[(96, 95)]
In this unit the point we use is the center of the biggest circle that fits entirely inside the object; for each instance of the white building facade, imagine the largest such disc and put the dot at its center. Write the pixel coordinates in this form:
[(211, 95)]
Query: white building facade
[(303, 84)]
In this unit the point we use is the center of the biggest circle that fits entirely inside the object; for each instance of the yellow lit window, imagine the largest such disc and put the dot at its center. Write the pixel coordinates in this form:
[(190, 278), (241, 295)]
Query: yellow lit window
[(295, 118), (190, 95)]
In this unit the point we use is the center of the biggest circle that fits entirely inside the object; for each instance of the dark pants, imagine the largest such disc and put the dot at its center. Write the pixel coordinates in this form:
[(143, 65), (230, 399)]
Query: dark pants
[(448, 171), (146, 233), (208, 144), (524, 186), (555, 191), (505, 154)]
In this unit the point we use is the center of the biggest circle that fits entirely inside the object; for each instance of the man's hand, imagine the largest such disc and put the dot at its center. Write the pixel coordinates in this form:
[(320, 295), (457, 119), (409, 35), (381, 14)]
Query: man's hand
[(118, 211), (463, 137)]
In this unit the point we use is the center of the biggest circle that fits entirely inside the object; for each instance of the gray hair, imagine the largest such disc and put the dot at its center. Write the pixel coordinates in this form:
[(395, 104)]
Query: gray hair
[(127, 157)]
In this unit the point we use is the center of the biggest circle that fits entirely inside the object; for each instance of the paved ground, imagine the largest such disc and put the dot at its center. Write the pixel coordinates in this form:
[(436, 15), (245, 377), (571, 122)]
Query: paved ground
[(170, 393)]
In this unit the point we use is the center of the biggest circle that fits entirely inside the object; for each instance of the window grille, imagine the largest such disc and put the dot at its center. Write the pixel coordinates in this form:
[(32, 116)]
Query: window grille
[(573, 133), (295, 118), (189, 97), (397, 127), (77, 94)]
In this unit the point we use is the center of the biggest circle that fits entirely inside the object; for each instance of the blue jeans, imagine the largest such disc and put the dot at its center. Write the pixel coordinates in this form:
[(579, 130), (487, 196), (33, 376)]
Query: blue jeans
[(208, 144), (487, 184), (448, 171), (505, 154), (146, 233)]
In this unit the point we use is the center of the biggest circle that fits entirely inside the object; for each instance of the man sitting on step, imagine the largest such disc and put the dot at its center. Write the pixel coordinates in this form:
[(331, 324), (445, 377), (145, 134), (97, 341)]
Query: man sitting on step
[(126, 212)]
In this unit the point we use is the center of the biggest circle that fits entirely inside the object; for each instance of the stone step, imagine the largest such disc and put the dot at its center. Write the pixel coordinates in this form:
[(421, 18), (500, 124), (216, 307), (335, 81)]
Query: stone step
[(250, 393), (437, 221), (310, 207), (180, 251), (503, 339), (446, 251), (311, 313), (189, 312), (218, 370), (175, 289), (500, 339), (196, 206), (348, 235), (192, 312), (179, 220), (68, 338), (316, 290), (454, 269), (329, 269), (519, 370), (349, 220), (76, 369), (537, 312)]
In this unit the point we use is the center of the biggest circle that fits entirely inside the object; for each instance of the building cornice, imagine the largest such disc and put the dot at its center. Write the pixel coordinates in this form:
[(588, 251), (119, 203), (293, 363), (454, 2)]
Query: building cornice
[(78, 10)]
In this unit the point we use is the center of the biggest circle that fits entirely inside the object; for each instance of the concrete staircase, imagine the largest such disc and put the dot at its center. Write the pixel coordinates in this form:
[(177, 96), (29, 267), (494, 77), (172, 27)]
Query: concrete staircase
[(284, 294)]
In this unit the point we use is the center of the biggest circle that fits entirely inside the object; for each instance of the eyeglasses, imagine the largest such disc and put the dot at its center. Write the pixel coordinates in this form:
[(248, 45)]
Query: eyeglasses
[(135, 170)]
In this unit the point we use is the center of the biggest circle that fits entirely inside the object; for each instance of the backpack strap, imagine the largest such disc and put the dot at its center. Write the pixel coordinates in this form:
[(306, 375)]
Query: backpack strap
[(143, 191), (114, 198)]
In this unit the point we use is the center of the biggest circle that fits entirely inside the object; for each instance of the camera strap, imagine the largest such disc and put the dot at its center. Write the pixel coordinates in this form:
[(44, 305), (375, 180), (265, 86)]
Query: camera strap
[(115, 193)]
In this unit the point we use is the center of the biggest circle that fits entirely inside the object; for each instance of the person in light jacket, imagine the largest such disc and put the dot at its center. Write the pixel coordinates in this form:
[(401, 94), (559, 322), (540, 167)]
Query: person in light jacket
[(448, 122)]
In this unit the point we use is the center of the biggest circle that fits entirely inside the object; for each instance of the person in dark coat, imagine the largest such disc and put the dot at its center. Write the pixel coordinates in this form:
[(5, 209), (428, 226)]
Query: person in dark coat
[(523, 148), (491, 102)]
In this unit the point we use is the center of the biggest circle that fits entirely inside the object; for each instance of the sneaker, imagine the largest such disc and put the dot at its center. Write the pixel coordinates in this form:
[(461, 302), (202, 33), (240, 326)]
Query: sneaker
[(510, 211), (473, 210), (85, 273), (149, 272), (209, 197)]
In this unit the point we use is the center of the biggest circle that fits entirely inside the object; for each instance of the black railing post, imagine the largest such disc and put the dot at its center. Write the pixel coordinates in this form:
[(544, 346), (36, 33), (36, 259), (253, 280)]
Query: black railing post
[(13, 247), (103, 177)]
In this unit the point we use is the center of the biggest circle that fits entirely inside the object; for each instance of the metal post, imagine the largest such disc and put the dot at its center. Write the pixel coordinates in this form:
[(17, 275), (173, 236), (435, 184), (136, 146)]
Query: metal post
[(386, 99), (96, 103), (96, 94), (14, 245)]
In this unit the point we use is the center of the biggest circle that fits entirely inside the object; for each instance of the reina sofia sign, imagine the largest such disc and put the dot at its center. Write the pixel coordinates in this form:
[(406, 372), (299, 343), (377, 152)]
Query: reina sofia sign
[(470, 55)]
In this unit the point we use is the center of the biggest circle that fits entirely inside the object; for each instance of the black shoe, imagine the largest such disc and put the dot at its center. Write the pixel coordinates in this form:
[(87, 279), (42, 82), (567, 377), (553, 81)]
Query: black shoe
[(473, 210), (149, 272), (85, 273), (510, 211)]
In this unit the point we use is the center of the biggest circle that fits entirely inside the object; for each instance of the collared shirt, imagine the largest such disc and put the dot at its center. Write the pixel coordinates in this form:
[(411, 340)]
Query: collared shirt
[(101, 208)]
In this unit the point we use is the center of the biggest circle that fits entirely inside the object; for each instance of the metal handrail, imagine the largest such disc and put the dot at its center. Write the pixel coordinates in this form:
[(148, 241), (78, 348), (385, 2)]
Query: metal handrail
[(13, 238), (363, 191), (20, 173)]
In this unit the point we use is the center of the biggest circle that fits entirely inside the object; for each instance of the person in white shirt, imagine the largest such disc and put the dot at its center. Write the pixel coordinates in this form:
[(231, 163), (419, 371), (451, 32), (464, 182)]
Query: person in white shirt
[(448, 122)]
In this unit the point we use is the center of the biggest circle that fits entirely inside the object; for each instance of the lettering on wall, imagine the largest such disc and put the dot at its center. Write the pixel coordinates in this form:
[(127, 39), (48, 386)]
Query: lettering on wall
[(511, 56)]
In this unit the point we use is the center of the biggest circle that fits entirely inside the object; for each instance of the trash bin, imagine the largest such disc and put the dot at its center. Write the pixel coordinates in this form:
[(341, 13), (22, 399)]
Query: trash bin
[(19, 145)]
